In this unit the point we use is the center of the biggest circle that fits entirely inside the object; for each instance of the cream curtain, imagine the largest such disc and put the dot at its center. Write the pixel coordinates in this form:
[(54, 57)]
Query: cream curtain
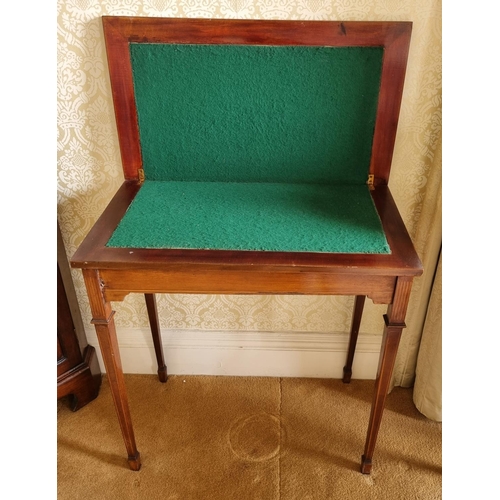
[(89, 169), (424, 314), (428, 382), (419, 358)]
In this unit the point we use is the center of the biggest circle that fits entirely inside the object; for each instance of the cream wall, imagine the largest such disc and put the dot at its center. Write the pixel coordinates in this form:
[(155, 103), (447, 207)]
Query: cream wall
[(89, 172)]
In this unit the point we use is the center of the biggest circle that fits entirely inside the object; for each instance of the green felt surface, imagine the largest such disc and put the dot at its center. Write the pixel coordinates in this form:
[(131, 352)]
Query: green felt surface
[(252, 216), (256, 113)]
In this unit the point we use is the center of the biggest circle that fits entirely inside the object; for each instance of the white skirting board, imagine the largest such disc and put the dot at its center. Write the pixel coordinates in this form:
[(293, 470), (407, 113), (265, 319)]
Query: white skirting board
[(266, 354)]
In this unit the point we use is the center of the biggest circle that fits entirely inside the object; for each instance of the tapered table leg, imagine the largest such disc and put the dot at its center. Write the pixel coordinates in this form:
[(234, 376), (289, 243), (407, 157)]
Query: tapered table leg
[(394, 324), (353, 337), (156, 333), (105, 327)]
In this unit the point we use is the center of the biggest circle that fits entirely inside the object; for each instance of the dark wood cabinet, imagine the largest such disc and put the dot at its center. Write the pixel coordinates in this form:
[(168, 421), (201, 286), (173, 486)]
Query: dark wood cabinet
[(78, 371)]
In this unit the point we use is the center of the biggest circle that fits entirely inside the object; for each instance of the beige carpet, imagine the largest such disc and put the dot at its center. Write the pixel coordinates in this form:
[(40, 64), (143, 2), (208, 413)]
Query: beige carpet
[(249, 438)]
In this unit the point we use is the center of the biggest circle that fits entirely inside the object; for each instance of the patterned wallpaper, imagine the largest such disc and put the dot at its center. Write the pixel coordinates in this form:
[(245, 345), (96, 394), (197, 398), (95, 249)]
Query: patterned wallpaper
[(89, 169)]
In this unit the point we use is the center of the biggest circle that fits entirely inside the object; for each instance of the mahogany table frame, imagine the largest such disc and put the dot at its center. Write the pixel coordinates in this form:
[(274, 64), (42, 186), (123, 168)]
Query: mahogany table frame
[(112, 273)]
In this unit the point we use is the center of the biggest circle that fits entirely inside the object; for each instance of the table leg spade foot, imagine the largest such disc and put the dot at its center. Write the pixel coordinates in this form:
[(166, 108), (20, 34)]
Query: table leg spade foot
[(162, 374), (347, 375), (135, 462), (366, 465)]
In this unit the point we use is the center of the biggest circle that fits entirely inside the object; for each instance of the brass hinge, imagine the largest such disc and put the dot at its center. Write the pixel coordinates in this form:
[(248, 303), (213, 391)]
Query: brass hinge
[(140, 171), (370, 180)]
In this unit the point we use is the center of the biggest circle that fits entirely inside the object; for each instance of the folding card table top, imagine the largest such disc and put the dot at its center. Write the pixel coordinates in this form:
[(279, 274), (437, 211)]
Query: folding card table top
[(256, 159)]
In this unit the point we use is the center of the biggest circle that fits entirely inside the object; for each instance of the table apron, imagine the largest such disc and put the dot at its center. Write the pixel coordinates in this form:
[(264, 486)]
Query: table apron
[(117, 283)]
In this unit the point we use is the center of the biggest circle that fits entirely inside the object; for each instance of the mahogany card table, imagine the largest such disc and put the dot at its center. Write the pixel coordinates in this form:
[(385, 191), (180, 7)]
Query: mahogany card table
[(256, 159)]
